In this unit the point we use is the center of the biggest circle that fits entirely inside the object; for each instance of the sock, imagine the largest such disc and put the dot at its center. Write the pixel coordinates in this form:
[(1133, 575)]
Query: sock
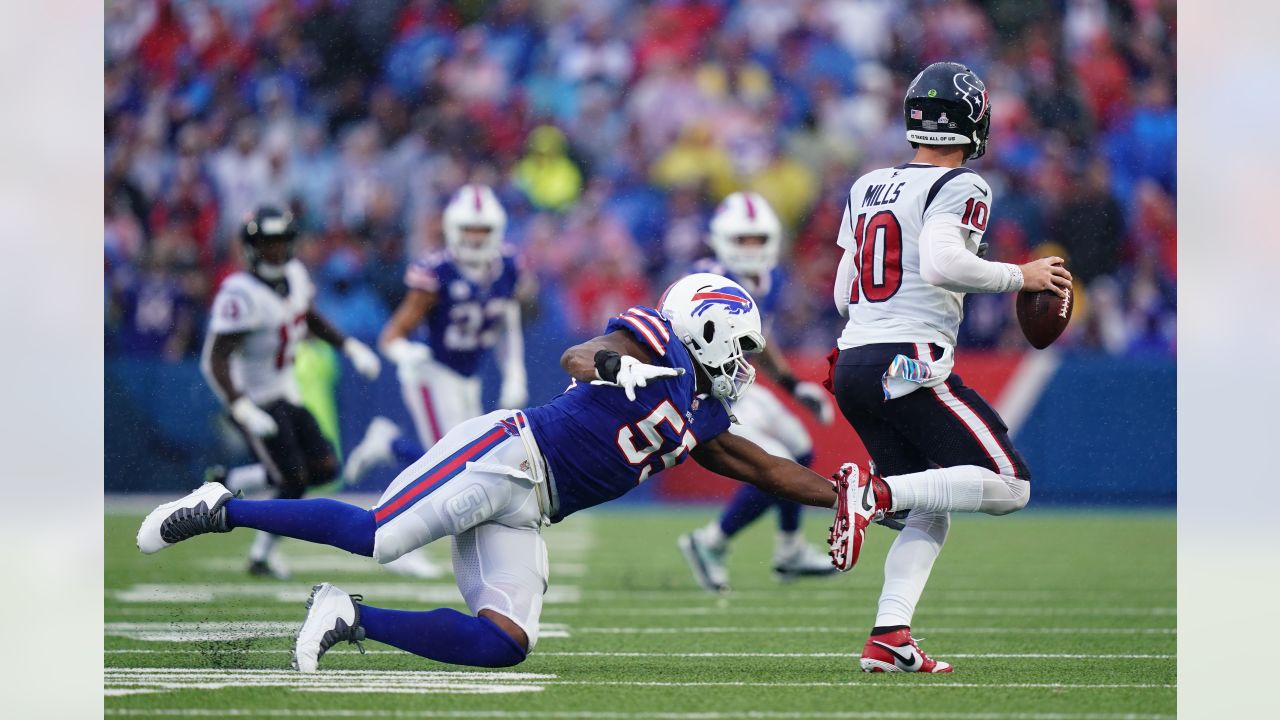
[(445, 635), (788, 515), (908, 564), (407, 450), (883, 629), (963, 488), (321, 520), (246, 478), (262, 546), (747, 504)]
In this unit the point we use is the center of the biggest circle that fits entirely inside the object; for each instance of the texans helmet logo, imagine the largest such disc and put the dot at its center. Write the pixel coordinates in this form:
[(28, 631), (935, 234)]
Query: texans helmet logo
[(737, 301), (973, 92)]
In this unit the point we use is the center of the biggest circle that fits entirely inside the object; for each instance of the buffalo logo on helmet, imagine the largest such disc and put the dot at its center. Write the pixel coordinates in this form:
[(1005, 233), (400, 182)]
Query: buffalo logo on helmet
[(735, 300), (974, 94)]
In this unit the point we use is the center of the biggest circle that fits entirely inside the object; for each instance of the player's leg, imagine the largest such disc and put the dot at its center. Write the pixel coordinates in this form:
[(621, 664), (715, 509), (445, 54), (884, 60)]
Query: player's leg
[(502, 574), (420, 399), (500, 563), (793, 557), (321, 520), (293, 473), (910, 559)]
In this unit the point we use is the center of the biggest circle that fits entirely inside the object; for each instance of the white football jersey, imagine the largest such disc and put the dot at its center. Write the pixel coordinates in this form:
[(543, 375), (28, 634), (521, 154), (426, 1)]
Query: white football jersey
[(262, 369), (889, 301)]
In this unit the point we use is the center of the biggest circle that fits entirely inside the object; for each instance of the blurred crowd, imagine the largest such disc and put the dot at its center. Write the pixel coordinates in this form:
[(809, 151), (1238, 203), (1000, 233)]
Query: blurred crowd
[(610, 130)]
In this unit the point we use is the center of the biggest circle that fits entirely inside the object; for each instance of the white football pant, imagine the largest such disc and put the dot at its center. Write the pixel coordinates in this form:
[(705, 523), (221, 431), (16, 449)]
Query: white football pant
[(469, 485), (765, 421), (438, 398)]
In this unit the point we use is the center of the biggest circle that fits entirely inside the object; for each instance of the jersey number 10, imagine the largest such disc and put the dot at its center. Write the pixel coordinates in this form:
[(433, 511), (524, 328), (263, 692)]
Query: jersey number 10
[(878, 254)]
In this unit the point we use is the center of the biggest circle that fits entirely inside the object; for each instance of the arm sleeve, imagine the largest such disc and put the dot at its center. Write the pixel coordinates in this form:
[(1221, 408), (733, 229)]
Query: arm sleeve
[(846, 275), (946, 262)]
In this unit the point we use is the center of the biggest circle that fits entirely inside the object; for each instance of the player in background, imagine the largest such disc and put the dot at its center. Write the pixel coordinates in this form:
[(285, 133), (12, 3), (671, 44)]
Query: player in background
[(747, 239), (466, 296), (258, 319), (652, 391), (912, 241)]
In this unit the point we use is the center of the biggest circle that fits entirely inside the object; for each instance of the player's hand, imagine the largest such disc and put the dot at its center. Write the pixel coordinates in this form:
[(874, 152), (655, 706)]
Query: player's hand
[(514, 395), (1046, 274), (633, 374), (816, 399), (407, 354), (365, 360), (252, 418)]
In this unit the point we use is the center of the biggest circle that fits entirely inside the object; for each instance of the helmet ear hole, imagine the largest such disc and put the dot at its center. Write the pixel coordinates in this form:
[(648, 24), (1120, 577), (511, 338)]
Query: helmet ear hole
[(708, 331)]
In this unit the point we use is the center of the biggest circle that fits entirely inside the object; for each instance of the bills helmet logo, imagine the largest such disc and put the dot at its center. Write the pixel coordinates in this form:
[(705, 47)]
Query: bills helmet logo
[(973, 93), (737, 301)]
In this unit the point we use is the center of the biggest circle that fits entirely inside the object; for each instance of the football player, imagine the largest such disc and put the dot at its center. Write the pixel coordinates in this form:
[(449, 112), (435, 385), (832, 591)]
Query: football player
[(747, 238), (652, 391), (912, 241), (466, 298), (257, 320)]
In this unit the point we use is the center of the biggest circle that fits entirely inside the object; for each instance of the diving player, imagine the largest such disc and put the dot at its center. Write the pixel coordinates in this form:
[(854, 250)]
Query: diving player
[(652, 391), (747, 238), (257, 320), (466, 298), (912, 240)]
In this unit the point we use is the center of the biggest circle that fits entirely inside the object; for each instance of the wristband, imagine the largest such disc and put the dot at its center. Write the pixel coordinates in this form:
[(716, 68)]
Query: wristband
[(788, 383), (608, 363)]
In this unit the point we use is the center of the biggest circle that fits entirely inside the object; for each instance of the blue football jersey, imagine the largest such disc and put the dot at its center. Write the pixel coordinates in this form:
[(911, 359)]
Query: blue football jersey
[(466, 320), (598, 444), (766, 293)]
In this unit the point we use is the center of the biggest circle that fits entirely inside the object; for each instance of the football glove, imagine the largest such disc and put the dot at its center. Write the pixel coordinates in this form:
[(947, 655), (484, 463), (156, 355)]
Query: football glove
[(365, 360), (815, 398), (514, 395), (405, 353), (633, 374), (253, 419)]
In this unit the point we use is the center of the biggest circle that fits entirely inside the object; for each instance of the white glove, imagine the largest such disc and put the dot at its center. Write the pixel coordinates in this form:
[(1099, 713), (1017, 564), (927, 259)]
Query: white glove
[(633, 374), (405, 353), (252, 418), (816, 398), (365, 360)]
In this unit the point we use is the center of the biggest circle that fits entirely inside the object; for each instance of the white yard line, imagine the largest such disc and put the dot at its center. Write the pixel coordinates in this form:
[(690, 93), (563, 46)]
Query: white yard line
[(617, 715), (297, 593), (961, 611), (539, 653), (841, 628), (237, 630)]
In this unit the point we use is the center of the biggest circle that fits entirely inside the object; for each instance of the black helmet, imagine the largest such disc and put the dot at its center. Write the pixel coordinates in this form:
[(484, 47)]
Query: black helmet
[(947, 105), (267, 223)]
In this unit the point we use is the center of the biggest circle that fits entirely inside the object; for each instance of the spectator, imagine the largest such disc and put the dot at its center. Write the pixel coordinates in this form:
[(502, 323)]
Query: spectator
[(545, 174)]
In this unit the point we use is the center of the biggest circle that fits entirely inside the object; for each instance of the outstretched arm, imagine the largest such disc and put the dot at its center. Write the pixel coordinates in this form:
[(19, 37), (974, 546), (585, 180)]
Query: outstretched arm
[(580, 360), (320, 326), (365, 360), (738, 458)]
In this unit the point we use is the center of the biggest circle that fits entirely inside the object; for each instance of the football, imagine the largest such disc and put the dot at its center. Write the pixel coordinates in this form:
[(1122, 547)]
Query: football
[(1043, 315)]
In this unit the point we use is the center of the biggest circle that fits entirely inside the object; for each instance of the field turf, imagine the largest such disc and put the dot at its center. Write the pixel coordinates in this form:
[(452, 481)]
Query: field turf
[(1046, 615)]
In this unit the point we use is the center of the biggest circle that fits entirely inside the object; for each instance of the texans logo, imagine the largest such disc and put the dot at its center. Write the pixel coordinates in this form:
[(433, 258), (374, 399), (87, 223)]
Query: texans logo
[(737, 301), (974, 94)]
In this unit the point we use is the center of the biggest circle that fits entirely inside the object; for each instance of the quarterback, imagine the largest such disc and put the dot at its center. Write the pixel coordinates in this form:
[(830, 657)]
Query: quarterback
[(912, 241)]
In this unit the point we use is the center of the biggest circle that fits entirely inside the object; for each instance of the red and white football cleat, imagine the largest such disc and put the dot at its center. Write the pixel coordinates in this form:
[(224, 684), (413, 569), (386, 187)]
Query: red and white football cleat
[(897, 651), (861, 498)]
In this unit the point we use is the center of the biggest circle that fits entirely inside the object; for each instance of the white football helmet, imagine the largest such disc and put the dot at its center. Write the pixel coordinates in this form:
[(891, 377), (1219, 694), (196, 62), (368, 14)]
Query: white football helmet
[(719, 323), (746, 214), (474, 206)]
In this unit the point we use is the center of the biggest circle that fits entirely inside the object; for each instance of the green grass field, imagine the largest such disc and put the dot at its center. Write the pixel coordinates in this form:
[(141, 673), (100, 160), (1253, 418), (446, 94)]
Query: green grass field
[(1046, 615)]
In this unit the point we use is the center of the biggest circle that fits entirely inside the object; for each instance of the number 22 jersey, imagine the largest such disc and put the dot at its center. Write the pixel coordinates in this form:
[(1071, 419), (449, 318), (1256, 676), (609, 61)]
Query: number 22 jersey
[(889, 302), (467, 318)]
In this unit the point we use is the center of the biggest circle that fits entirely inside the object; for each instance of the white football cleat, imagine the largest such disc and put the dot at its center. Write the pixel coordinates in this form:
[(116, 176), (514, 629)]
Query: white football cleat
[(794, 558), (373, 449), (706, 560), (198, 513), (415, 564), (332, 616)]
